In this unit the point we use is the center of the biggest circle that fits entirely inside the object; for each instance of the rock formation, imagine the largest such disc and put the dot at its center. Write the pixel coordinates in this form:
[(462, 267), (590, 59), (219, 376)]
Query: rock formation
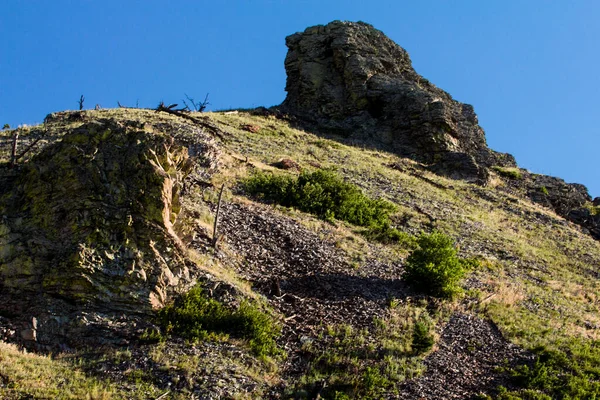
[(350, 79), (89, 220)]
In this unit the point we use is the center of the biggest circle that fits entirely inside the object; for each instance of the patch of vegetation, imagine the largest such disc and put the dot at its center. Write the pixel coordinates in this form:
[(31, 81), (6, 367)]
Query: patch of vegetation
[(367, 364), (422, 338), (434, 266), (324, 194), (544, 190), (511, 173), (197, 317), (594, 210), (28, 376), (571, 371), (386, 234)]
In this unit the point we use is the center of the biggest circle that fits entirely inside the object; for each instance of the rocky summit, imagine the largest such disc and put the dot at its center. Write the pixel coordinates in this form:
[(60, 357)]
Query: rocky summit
[(350, 79), (360, 241)]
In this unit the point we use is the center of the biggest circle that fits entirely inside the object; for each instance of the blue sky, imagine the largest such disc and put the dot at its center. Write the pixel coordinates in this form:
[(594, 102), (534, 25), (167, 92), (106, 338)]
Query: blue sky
[(530, 68)]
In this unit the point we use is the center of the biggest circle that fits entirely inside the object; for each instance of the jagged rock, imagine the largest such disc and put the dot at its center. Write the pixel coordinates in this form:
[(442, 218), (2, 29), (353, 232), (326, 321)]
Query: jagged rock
[(286, 163), (251, 128), (556, 193), (462, 166), (569, 200), (89, 220), (350, 79), (596, 201), (583, 217)]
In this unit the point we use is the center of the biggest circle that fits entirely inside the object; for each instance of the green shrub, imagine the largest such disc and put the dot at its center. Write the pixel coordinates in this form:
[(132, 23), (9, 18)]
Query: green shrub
[(386, 234), (434, 267), (511, 173), (373, 380), (196, 317), (422, 338), (321, 193)]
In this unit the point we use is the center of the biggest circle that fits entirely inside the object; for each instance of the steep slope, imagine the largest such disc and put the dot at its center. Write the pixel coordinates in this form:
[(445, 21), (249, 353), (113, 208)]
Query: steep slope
[(134, 249), (347, 315)]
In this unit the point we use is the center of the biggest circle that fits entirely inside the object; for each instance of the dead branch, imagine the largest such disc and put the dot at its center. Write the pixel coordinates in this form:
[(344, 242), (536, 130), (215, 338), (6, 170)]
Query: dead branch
[(28, 148), (13, 154), (183, 113), (197, 106), (162, 396), (122, 106), (216, 225), (81, 99)]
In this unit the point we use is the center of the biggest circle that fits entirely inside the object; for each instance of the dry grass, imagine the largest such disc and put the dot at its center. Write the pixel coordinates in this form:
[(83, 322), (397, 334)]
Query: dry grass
[(24, 375), (544, 266)]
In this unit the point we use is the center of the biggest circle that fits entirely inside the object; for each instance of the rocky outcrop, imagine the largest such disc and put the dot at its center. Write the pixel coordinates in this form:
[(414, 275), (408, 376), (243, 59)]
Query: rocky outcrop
[(89, 220), (571, 201), (350, 79)]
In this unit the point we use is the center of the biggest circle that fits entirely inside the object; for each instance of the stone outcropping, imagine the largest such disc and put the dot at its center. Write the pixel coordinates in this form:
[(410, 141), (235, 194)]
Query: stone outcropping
[(350, 79), (569, 200), (89, 220)]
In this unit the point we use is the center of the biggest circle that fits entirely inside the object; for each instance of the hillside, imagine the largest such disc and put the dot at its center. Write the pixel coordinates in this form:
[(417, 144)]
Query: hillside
[(108, 219)]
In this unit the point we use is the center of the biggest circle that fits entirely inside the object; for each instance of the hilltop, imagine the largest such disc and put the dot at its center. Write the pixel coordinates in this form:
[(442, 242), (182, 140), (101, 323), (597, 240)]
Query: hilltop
[(108, 218)]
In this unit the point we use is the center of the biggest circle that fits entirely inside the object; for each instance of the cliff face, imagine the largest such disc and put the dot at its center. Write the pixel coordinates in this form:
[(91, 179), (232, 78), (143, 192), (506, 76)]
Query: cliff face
[(350, 79), (90, 218)]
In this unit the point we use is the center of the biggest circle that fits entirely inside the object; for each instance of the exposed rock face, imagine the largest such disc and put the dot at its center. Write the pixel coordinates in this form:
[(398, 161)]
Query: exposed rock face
[(568, 200), (350, 79), (556, 193), (89, 219)]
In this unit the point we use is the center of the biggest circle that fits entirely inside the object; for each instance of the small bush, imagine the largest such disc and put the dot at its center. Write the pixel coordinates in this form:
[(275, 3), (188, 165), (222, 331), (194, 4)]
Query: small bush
[(434, 267), (373, 380), (321, 193), (422, 338), (195, 316)]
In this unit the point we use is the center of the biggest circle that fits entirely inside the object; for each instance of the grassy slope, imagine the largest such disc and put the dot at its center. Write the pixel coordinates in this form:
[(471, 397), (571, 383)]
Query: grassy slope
[(23, 375), (538, 281)]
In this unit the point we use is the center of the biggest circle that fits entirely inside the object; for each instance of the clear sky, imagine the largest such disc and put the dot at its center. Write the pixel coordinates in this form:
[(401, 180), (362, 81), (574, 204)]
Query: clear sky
[(530, 68)]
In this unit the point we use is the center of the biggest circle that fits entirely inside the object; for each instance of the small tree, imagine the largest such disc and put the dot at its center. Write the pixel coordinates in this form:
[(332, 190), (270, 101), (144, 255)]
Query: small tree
[(434, 267)]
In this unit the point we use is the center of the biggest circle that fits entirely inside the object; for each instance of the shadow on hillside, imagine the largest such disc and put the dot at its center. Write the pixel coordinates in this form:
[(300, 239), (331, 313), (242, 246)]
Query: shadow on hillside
[(340, 286)]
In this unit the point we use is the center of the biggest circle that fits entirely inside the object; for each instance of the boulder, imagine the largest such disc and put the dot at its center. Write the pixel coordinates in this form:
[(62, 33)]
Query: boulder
[(349, 79), (89, 220)]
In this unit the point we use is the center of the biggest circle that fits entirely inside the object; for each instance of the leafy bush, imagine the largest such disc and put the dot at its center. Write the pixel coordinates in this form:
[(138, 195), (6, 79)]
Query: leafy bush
[(434, 267), (324, 194), (195, 316), (422, 339)]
